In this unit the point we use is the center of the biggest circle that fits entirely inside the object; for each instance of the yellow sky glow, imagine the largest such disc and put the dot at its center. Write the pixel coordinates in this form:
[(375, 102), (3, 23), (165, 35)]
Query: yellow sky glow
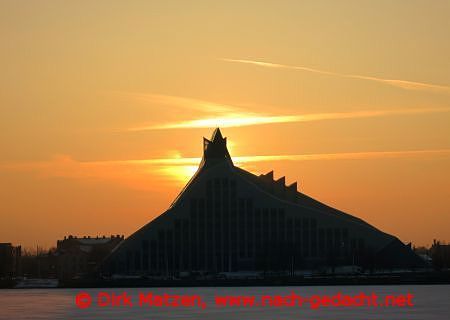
[(182, 168)]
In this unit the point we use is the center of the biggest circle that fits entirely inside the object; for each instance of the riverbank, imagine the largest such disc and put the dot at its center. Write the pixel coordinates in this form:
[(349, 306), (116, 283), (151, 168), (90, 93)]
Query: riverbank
[(341, 280)]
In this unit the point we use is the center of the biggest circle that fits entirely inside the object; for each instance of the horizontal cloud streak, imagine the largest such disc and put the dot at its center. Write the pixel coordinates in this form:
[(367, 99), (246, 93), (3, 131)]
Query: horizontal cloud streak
[(136, 173), (300, 157), (404, 84), (345, 155), (67, 161), (249, 119)]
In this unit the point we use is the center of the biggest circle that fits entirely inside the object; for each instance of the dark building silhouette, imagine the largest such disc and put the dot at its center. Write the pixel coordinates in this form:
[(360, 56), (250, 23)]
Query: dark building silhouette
[(40, 265), (440, 253), (227, 220), (9, 260), (80, 257)]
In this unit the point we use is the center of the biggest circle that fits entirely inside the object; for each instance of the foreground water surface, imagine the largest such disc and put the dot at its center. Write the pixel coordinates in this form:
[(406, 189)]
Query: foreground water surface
[(429, 302)]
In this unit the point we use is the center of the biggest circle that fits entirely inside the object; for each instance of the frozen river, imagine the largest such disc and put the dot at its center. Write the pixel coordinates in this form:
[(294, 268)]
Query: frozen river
[(425, 302)]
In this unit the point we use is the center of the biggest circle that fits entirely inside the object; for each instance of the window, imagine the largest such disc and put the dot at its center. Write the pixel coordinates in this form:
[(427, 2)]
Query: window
[(321, 242), (145, 251)]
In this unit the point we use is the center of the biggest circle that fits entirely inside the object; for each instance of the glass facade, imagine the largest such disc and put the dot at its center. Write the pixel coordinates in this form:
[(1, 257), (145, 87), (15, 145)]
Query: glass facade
[(225, 232)]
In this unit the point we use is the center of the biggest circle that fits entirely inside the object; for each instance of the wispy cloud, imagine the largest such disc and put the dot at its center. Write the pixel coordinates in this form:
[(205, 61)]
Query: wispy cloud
[(133, 174), (345, 155), (404, 84), (212, 114), (182, 102), (136, 173), (236, 119)]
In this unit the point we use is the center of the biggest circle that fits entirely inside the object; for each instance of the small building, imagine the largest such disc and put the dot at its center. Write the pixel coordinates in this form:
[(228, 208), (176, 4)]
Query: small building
[(79, 257), (9, 260), (440, 254)]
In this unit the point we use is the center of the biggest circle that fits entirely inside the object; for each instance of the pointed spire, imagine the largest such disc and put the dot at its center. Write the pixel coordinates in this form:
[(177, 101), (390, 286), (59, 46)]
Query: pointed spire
[(217, 135), (215, 150)]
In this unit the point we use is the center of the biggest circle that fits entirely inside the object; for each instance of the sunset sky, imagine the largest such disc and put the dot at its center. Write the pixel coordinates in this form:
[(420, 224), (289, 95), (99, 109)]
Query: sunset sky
[(104, 105)]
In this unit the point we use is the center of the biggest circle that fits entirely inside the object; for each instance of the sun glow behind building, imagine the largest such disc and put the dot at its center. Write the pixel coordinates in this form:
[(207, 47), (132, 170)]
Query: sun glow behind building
[(228, 220)]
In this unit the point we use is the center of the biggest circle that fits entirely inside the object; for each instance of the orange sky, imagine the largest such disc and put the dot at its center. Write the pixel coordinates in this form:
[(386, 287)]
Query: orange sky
[(104, 105)]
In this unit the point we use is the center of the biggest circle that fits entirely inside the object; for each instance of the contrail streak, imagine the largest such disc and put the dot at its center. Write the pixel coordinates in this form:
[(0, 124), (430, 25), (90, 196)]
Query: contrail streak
[(404, 84)]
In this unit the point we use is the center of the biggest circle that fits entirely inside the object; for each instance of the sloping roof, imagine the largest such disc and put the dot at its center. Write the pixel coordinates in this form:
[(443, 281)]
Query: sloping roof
[(220, 155), (216, 159)]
